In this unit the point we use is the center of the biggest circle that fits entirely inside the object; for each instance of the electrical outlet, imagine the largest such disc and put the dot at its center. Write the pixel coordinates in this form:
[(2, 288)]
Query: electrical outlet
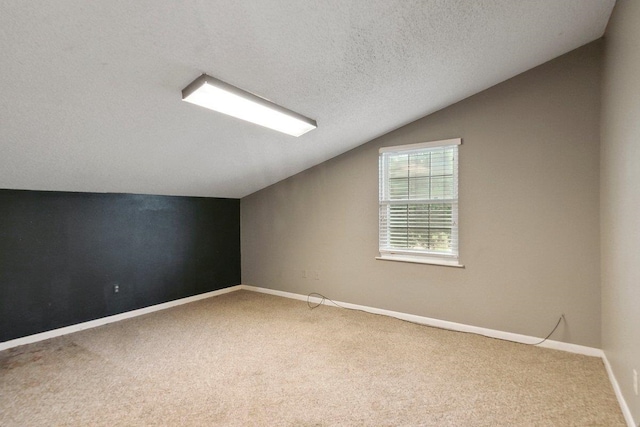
[(635, 381), (316, 275), (116, 288), (304, 274)]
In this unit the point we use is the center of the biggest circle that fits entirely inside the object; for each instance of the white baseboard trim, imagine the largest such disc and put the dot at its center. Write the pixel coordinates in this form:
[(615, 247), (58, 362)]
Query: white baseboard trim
[(443, 324), (110, 319), (460, 327), (616, 388)]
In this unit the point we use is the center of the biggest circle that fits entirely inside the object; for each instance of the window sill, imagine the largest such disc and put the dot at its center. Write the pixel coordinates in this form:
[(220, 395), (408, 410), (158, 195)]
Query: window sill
[(421, 260)]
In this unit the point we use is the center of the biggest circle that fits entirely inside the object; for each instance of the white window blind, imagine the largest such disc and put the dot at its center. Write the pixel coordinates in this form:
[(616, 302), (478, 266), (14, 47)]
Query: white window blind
[(419, 200)]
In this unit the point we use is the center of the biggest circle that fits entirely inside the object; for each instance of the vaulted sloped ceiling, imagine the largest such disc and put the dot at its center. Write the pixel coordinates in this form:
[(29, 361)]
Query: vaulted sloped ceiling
[(91, 90)]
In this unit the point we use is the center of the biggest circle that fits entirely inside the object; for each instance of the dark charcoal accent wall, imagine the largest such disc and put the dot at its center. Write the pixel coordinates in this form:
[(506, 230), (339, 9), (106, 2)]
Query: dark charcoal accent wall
[(61, 254)]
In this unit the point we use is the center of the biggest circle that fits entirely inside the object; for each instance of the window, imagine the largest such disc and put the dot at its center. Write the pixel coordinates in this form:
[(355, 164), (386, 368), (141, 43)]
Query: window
[(419, 202)]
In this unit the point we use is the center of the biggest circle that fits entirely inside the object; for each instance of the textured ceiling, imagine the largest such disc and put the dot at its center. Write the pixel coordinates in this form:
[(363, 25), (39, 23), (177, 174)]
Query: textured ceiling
[(91, 91)]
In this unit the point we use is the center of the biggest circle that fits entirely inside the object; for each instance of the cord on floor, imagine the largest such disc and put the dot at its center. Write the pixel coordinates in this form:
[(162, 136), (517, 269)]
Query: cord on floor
[(323, 299)]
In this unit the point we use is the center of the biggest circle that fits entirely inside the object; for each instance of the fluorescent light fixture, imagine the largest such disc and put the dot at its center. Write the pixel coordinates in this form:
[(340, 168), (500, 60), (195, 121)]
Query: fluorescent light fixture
[(222, 97)]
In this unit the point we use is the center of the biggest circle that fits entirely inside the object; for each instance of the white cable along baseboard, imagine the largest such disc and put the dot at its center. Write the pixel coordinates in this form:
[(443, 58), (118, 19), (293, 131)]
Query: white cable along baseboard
[(443, 324), (525, 339), (460, 327)]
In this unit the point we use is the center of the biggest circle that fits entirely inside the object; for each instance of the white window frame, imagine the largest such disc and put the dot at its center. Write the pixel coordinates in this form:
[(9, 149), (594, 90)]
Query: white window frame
[(410, 255)]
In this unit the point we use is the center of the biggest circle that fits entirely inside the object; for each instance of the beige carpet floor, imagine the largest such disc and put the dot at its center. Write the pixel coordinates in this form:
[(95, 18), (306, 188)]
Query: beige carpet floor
[(252, 359)]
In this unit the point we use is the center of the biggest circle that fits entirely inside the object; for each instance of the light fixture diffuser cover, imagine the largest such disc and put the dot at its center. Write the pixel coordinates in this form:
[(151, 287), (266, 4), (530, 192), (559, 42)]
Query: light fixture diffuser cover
[(214, 94)]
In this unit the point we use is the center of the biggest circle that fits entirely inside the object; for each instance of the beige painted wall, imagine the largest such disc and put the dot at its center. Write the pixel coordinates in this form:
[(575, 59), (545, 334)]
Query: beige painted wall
[(620, 196), (529, 218)]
